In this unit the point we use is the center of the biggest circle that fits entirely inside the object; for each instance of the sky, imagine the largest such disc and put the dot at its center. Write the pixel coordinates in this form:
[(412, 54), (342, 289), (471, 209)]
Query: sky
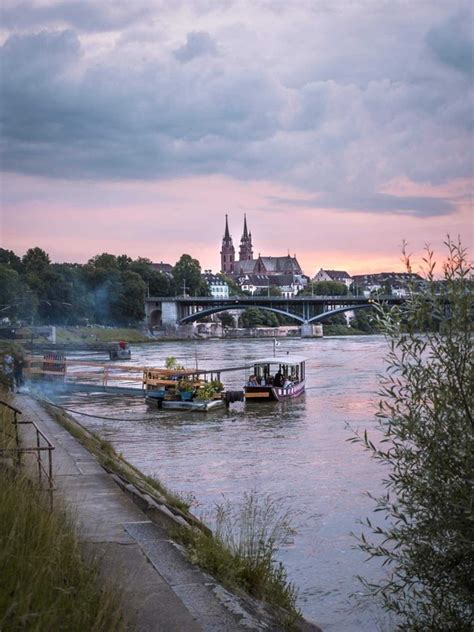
[(340, 127)]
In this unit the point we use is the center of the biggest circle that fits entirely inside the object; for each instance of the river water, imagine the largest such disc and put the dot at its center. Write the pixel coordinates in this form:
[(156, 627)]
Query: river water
[(296, 450)]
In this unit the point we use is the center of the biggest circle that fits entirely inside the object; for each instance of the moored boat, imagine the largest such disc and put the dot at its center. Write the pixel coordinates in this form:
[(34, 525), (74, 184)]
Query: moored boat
[(276, 379)]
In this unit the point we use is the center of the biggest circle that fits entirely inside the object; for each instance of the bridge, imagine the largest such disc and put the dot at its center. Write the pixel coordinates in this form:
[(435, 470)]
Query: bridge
[(307, 310)]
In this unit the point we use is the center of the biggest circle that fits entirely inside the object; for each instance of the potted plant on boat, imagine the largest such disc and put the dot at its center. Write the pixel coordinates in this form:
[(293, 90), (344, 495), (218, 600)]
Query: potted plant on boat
[(186, 389), (207, 391)]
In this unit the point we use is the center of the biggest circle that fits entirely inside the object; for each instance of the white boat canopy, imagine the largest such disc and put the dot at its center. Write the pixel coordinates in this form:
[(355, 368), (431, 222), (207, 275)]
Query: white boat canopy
[(288, 359)]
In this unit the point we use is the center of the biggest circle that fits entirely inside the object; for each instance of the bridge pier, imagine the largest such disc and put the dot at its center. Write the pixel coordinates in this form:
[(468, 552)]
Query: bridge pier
[(311, 331)]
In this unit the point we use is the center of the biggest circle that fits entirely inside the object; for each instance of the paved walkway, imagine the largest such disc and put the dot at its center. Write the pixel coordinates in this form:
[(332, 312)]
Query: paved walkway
[(161, 590)]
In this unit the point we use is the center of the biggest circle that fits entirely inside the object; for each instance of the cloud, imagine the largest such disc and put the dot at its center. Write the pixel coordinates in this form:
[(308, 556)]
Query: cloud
[(197, 44), (452, 42), (294, 96), (422, 206), (93, 15)]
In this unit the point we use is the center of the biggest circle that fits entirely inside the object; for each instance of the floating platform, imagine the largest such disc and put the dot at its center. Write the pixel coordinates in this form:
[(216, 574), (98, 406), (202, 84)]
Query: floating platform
[(195, 405)]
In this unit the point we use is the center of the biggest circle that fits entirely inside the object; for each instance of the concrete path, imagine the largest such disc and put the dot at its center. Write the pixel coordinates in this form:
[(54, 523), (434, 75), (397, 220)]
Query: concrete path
[(161, 590)]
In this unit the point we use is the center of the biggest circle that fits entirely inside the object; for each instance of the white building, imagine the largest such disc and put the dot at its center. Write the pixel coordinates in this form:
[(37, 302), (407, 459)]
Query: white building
[(340, 276), (288, 284), (217, 286)]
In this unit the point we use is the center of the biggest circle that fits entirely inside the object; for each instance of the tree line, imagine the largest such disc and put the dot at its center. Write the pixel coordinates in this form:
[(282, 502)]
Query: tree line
[(108, 289)]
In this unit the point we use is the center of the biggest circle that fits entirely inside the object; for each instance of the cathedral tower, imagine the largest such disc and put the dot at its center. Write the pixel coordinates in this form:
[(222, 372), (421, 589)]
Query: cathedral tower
[(246, 249), (227, 252)]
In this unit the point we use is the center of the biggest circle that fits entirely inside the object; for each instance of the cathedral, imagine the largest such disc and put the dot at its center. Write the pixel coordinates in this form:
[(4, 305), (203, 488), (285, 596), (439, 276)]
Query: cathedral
[(246, 264)]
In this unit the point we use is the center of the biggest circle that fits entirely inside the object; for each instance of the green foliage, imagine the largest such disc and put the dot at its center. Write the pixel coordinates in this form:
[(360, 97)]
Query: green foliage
[(234, 288), (426, 423), (365, 321), (255, 317), (172, 363), (107, 290), (45, 584), (185, 385), (270, 291), (206, 391), (243, 550), (226, 319), (187, 277)]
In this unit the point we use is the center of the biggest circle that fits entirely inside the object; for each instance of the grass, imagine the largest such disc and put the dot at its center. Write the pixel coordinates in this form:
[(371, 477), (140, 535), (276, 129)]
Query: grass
[(88, 335), (242, 552), (45, 583)]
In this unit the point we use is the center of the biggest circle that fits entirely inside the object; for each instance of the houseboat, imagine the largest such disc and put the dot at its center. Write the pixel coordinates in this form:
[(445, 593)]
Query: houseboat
[(276, 379)]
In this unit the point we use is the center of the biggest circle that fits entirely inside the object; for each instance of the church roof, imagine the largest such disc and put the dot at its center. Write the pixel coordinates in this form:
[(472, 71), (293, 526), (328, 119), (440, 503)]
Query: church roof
[(245, 267), (281, 264)]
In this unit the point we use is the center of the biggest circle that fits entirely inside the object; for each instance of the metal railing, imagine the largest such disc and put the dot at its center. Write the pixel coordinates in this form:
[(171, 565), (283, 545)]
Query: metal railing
[(43, 448)]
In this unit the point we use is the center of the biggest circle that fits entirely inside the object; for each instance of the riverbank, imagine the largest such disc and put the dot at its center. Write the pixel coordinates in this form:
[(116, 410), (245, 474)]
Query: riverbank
[(114, 509), (83, 337), (63, 591)]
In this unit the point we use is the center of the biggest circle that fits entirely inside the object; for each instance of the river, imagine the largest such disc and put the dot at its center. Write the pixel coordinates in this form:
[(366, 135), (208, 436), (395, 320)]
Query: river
[(296, 450)]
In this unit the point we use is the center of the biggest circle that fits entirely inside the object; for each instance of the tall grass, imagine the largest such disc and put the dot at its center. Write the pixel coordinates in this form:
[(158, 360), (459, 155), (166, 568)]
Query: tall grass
[(242, 551), (44, 582)]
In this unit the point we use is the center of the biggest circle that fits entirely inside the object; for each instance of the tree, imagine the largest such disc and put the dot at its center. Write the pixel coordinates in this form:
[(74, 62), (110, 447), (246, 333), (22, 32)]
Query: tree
[(427, 443), (127, 305), (9, 258), (271, 290), (364, 321), (36, 260), (234, 289), (255, 317), (187, 277)]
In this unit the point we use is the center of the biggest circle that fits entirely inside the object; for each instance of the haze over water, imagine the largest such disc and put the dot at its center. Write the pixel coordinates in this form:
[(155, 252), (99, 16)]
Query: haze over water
[(297, 450)]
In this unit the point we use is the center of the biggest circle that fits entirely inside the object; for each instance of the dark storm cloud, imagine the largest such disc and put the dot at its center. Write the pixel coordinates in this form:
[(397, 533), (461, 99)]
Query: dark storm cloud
[(197, 44), (340, 120)]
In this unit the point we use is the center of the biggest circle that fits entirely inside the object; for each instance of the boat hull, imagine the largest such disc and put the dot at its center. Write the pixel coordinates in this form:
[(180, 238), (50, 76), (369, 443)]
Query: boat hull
[(273, 393)]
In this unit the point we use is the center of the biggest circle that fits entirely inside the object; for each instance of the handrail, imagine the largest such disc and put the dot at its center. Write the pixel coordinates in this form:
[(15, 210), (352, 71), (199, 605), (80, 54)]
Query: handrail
[(10, 407), (37, 450)]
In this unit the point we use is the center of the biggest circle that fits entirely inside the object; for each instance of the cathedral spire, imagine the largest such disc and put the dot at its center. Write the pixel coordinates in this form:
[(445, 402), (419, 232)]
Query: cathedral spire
[(246, 249), (245, 234), (227, 251), (226, 233)]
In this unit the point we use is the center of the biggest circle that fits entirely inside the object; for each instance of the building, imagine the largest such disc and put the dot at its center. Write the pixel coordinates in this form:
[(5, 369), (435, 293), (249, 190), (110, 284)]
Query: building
[(340, 276), (289, 285), (164, 268), (247, 265), (394, 283), (227, 251), (217, 286)]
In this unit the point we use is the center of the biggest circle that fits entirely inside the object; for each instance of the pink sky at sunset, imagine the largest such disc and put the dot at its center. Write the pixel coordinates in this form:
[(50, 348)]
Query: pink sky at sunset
[(135, 127)]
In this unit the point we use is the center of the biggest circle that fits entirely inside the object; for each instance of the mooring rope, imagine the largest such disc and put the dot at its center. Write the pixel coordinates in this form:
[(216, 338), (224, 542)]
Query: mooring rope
[(78, 412)]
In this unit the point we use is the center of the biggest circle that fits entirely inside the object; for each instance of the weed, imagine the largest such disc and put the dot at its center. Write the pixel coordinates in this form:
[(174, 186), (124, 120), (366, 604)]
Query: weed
[(242, 552)]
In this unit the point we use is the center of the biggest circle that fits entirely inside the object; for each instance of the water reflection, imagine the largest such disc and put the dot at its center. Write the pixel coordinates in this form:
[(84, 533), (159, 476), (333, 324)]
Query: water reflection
[(296, 449)]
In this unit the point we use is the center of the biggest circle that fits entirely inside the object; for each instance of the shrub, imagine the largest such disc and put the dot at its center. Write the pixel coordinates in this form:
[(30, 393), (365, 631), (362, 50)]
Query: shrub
[(426, 423)]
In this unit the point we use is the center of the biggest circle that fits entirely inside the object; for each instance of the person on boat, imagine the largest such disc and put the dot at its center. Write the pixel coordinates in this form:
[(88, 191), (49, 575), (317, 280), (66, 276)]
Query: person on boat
[(252, 381), (278, 379), (287, 383)]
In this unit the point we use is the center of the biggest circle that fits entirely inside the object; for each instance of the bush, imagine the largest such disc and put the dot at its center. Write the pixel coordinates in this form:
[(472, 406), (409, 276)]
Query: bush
[(426, 423)]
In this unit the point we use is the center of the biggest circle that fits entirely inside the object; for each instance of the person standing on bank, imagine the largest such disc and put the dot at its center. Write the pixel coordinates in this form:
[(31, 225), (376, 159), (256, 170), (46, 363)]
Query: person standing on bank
[(8, 370), (18, 371)]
